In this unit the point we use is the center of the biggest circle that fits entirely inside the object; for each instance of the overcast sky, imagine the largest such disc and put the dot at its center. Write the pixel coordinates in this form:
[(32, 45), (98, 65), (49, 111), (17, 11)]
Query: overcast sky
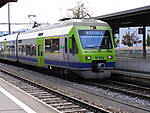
[(52, 10)]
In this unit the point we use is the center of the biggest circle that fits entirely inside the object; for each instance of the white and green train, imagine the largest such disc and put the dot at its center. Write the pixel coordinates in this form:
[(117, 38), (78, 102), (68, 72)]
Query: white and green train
[(83, 46)]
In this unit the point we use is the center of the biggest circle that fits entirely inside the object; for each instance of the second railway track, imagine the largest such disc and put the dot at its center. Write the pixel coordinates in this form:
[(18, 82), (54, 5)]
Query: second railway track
[(126, 88)]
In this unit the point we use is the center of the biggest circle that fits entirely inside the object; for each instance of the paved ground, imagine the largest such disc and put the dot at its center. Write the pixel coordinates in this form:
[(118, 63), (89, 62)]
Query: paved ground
[(13, 100)]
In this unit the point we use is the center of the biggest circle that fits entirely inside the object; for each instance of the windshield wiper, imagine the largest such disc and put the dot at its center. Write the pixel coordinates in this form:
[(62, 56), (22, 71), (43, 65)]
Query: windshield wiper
[(96, 47), (92, 47), (88, 47)]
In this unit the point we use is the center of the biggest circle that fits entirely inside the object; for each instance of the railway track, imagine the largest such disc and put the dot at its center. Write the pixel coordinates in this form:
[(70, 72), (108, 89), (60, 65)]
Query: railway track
[(55, 99), (125, 88), (97, 92)]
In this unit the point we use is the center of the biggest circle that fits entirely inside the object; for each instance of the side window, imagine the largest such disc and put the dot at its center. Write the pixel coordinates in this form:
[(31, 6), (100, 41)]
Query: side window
[(27, 47), (22, 49), (8, 49), (28, 50), (13, 49), (52, 46), (2, 47), (55, 45), (48, 45), (33, 50), (74, 49)]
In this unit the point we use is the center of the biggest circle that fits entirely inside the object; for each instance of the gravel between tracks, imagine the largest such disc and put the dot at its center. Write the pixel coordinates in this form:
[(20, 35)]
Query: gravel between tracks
[(86, 94)]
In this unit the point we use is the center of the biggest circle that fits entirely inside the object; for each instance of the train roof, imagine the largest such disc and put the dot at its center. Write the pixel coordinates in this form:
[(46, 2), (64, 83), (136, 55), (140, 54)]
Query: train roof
[(8, 37), (71, 22), (63, 27)]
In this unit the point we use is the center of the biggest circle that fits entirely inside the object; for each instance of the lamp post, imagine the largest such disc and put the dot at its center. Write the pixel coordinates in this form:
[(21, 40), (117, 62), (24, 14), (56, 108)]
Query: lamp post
[(9, 25)]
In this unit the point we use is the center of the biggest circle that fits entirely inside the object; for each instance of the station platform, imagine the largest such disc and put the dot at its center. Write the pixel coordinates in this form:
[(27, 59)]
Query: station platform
[(14, 100), (134, 69), (9, 106), (133, 64)]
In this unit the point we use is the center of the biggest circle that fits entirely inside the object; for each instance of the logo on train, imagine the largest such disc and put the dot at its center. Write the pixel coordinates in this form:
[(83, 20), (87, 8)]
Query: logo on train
[(100, 57)]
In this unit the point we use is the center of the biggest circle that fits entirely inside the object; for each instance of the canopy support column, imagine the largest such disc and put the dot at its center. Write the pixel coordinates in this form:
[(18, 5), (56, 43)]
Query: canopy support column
[(144, 42)]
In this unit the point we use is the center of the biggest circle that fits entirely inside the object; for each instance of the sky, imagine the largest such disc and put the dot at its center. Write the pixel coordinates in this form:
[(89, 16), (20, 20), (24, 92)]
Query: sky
[(52, 10)]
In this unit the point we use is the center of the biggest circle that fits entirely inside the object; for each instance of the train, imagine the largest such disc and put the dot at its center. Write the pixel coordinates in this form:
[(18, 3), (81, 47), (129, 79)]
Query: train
[(82, 46)]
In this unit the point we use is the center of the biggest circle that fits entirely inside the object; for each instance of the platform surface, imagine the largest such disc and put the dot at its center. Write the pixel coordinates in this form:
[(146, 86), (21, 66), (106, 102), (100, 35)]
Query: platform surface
[(13, 100), (8, 106)]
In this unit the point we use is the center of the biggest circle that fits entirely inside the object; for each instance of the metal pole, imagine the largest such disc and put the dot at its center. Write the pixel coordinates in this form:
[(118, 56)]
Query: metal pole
[(144, 42), (9, 28)]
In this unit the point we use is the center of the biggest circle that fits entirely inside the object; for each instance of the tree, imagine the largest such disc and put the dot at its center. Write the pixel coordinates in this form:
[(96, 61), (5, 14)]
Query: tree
[(148, 40), (130, 38), (80, 11)]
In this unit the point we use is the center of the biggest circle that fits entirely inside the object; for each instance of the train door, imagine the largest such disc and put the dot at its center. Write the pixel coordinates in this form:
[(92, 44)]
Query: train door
[(40, 51), (5, 49), (73, 50)]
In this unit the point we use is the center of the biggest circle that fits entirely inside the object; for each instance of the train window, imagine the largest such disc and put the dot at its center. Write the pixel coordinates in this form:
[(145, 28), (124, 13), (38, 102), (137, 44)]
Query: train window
[(48, 46), (95, 39), (31, 50), (55, 45), (28, 50), (1, 49), (74, 49), (22, 49), (11, 49), (52, 46)]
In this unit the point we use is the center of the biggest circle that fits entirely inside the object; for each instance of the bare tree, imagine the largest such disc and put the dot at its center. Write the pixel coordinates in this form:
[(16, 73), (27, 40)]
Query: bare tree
[(80, 11), (130, 38)]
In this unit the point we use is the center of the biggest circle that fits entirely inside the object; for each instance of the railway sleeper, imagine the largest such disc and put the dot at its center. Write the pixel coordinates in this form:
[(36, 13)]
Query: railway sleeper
[(61, 104), (35, 91), (28, 88), (78, 110), (46, 96), (54, 102), (50, 99), (66, 107)]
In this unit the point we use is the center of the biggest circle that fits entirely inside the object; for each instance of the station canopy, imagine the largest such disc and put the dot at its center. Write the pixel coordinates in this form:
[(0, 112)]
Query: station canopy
[(129, 18), (3, 2)]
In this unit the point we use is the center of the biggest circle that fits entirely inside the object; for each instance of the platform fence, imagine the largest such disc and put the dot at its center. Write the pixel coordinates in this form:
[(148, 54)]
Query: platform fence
[(132, 52)]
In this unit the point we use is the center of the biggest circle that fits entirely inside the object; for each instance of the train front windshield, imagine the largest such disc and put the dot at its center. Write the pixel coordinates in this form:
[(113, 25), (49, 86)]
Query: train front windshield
[(95, 39)]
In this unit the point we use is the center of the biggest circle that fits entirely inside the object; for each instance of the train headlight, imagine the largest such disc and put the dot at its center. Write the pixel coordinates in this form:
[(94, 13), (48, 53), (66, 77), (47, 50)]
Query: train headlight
[(109, 57), (88, 57)]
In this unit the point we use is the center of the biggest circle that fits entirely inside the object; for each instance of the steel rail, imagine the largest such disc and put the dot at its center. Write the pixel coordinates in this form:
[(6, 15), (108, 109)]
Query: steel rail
[(76, 101), (120, 90)]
